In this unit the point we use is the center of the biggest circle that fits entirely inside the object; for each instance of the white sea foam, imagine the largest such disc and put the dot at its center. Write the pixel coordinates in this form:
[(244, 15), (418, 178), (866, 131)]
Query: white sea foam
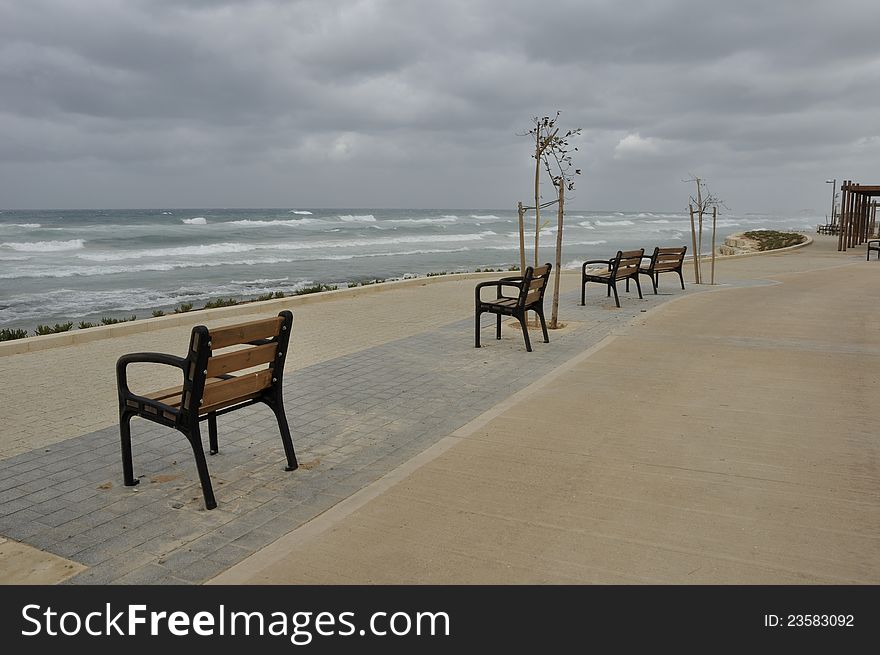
[(614, 223), (44, 246), (423, 221), (659, 220), (293, 222), (452, 216), (298, 211), (362, 218), (198, 220), (181, 251), (485, 217), (27, 226), (259, 281), (587, 225)]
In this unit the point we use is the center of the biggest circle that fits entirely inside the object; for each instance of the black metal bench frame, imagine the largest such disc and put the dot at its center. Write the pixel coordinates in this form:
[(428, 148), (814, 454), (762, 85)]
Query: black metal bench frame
[(664, 260), (624, 266), (873, 244), (182, 408), (530, 296)]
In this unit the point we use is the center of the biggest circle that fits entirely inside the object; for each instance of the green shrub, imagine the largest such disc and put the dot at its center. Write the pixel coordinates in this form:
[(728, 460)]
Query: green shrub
[(8, 334), (315, 288), (264, 296), (773, 239), (183, 308), (113, 321), (157, 313), (45, 329), (280, 294), (220, 302), (85, 325), (437, 274)]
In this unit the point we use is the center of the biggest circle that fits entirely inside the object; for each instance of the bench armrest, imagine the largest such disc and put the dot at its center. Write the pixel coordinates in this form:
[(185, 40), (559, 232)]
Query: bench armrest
[(607, 262), (145, 358), (515, 282)]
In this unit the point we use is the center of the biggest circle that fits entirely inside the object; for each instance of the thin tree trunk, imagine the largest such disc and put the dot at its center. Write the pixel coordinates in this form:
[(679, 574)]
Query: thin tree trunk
[(694, 242), (522, 238), (538, 151), (699, 246), (559, 219)]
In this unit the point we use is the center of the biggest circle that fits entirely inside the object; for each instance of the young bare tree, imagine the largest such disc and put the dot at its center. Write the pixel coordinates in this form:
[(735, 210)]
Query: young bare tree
[(704, 202), (553, 153)]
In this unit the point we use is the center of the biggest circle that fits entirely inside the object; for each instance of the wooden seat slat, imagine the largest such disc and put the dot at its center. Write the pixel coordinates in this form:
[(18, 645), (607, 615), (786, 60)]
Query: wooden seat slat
[(241, 359), (244, 332), (242, 385)]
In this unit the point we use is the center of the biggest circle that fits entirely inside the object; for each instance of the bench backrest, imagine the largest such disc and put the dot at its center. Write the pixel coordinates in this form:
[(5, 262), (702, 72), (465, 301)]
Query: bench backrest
[(265, 344), (534, 284), (668, 259), (626, 263)]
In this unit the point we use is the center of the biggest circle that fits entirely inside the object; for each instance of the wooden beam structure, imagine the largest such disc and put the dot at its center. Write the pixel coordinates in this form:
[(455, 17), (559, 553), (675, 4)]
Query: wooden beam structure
[(858, 214)]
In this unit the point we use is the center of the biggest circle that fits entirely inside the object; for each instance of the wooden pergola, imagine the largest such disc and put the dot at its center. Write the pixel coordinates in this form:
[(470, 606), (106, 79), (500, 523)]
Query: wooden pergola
[(858, 214)]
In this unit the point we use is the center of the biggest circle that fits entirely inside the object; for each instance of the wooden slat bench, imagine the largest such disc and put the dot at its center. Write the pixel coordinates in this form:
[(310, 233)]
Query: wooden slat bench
[(529, 296), (664, 260), (209, 389), (624, 266)]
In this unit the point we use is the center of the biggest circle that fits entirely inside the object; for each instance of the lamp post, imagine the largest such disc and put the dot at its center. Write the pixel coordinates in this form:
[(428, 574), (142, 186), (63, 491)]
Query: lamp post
[(833, 184)]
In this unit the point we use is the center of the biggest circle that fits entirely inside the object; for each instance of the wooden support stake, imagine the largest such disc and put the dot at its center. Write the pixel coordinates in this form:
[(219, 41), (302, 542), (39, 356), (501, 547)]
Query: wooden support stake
[(522, 238), (714, 222), (554, 312)]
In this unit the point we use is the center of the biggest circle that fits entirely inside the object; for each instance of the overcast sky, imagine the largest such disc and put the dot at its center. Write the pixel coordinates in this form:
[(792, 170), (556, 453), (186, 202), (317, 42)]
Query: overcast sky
[(412, 103)]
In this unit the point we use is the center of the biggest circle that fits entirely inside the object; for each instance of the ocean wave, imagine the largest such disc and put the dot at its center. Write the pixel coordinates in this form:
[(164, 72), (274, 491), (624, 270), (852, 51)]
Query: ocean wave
[(259, 281), (231, 248), (587, 225), (423, 221), (180, 251), (659, 220), (452, 216), (27, 226), (198, 220), (485, 217), (300, 211), (362, 218), (614, 223), (45, 246), (293, 222)]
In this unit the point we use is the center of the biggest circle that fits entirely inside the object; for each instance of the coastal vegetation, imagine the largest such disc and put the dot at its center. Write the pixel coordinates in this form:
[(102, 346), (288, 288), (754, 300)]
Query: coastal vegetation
[(773, 239)]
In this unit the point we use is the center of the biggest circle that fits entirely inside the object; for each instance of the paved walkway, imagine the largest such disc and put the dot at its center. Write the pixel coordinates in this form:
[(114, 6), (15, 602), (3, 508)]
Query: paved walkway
[(418, 466), (728, 438)]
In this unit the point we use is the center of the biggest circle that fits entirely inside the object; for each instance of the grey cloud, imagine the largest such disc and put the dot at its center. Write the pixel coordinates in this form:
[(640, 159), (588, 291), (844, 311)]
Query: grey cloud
[(395, 102)]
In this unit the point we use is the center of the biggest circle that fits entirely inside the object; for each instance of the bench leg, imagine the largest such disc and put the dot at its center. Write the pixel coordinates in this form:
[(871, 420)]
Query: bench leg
[(614, 288), (498, 327), (638, 287), (289, 452), (681, 278), (125, 437), (583, 292), (195, 440), (543, 325), (477, 329), (212, 433), (525, 331)]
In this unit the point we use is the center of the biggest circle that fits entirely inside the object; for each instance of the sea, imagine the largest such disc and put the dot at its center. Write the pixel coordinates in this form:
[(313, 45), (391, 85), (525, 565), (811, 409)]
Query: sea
[(84, 265)]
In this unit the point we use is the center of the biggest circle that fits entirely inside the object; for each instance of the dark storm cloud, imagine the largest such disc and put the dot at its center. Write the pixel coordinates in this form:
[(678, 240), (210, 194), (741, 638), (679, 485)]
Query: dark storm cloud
[(409, 102)]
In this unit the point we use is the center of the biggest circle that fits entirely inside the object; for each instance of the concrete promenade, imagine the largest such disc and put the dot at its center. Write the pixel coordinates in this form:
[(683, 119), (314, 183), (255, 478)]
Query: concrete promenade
[(719, 435)]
